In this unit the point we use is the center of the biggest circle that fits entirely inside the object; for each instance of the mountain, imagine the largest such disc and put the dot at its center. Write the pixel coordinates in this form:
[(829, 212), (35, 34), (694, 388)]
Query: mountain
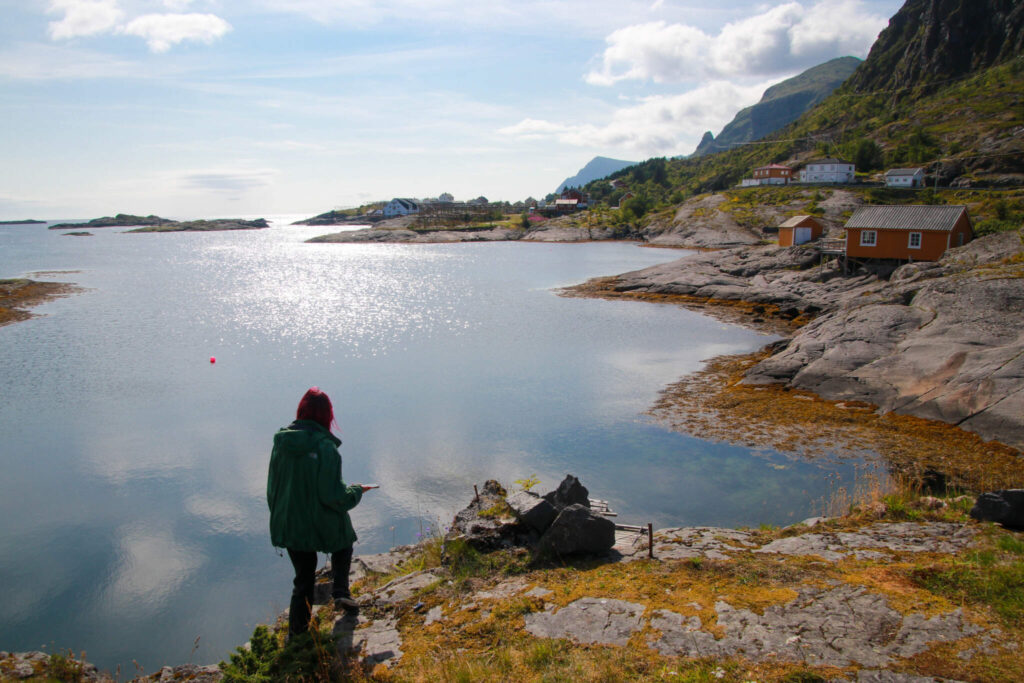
[(942, 88), (596, 168), (933, 41), (780, 105)]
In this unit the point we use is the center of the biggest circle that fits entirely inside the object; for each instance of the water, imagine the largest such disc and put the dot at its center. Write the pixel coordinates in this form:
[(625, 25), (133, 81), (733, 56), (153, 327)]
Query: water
[(132, 511)]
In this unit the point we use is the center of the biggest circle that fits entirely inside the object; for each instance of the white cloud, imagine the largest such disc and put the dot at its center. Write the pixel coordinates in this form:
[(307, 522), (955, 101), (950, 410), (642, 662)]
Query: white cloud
[(161, 31), (230, 182), (786, 38), (658, 125), (83, 17), (152, 565)]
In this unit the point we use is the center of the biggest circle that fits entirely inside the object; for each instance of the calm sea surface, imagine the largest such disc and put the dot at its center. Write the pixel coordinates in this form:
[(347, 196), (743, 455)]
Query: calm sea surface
[(132, 511)]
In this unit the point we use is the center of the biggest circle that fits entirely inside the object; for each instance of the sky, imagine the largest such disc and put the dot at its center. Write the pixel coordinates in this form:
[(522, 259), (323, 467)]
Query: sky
[(223, 108)]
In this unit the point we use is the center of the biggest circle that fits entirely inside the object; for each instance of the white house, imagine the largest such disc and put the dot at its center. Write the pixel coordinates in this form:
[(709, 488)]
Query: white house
[(401, 207), (827, 171), (904, 177)]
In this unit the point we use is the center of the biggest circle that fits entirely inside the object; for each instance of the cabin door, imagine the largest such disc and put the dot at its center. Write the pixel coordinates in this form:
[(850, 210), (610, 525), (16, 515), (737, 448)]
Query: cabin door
[(801, 235)]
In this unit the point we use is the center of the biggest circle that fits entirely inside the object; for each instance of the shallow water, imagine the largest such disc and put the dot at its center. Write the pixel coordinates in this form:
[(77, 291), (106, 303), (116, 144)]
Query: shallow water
[(133, 512)]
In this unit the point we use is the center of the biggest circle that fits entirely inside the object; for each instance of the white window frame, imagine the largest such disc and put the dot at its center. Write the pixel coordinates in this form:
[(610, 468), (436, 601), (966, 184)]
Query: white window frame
[(910, 240), (864, 241)]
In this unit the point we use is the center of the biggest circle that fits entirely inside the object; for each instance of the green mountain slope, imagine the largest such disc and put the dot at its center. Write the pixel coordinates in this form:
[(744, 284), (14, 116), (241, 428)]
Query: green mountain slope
[(780, 105)]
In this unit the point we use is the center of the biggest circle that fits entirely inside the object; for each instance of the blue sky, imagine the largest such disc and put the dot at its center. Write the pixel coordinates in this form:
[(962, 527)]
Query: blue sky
[(205, 108)]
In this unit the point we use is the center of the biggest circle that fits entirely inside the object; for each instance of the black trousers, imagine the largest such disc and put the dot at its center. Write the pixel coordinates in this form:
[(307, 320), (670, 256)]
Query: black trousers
[(304, 563)]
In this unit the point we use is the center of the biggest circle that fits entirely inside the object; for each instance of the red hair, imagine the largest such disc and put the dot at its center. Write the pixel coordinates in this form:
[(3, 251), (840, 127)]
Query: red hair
[(316, 406)]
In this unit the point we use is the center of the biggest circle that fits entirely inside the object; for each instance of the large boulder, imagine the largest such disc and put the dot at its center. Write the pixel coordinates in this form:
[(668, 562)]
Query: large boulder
[(1003, 507), (532, 510), (569, 492), (482, 523), (577, 530)]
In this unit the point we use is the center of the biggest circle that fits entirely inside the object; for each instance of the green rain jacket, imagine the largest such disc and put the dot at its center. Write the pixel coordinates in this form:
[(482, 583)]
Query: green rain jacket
[(309, 502)]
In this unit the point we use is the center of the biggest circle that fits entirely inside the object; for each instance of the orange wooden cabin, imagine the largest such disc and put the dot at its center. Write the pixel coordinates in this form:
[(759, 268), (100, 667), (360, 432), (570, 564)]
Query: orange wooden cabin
[(800, 229), (907, 233)]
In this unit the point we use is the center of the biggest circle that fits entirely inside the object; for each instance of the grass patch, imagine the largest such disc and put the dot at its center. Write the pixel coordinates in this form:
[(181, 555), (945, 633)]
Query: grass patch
[(991, 576)]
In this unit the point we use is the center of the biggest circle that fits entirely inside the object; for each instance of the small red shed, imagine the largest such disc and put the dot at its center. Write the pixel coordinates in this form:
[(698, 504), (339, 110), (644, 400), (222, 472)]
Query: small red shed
[(908, 233), (800, 229)]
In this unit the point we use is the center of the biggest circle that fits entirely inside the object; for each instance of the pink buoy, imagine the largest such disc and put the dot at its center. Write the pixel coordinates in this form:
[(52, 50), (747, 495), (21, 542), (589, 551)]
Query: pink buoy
[(212, 360)]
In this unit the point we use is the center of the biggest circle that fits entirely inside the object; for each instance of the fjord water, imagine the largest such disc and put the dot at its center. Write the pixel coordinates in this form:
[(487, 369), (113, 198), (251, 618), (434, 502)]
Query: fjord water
[(132, 513)]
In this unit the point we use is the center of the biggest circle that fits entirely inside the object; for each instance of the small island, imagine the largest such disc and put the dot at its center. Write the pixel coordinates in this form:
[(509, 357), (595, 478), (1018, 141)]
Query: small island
[(205, 225), (28, 221), (153, 223)]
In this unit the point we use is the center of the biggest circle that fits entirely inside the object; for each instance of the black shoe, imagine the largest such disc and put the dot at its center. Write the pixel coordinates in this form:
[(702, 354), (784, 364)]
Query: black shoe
[(345, 602)]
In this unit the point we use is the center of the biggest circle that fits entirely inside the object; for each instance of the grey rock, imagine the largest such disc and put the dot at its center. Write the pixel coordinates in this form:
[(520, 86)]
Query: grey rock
[(576, 530), (185, 672), (532, 510), (434, 614), (374, 641), (1004, 507), (589, 620), (569, 492), (503, 590), (883, 676), (927, 537), (842, 626), (404, 587), (700, 542), (487, 533)]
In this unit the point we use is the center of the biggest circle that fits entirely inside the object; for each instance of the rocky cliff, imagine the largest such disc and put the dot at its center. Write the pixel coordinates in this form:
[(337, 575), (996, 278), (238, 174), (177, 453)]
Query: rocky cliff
[(934, 41)]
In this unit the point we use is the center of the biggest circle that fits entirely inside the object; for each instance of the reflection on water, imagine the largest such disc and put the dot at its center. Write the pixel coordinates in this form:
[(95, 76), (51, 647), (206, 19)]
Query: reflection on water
[(132, 511)]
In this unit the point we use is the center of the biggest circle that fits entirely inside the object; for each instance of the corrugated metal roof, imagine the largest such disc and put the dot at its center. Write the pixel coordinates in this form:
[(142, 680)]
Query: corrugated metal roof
[(794, 221), (827, 161), (906, 217), (903, 171)]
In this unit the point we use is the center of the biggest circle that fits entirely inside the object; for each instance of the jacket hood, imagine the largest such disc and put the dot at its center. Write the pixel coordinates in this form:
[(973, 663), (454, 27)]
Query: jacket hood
[(303, 435)]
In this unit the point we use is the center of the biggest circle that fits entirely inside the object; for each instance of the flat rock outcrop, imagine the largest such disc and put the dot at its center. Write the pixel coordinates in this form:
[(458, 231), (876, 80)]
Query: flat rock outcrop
[(699, 223), (840, 626)]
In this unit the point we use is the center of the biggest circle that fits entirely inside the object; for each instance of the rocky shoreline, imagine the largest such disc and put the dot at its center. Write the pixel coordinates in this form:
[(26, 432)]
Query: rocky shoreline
[(844, 599), (937, 340)]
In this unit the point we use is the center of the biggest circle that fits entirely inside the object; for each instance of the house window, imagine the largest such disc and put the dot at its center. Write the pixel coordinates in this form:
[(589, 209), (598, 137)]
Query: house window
[(915, 240), (960, 240), (868, 238)]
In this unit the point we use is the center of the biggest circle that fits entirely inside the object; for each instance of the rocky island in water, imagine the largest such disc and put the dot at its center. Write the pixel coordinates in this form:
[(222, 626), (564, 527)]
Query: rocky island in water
[(153, 223)]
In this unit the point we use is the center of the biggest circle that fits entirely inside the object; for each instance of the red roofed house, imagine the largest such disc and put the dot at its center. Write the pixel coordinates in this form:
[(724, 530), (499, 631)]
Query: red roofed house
[(909, 233), (800, 229), (772, 174)]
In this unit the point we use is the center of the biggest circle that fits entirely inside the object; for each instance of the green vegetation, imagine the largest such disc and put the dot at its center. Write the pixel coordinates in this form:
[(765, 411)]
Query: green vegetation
[(527, 483), (991, 575), (966, 125), (311, 656)]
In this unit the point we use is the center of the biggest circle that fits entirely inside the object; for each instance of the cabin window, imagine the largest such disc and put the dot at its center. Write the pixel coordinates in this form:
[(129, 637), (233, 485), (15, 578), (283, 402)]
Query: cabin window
[(960, 240), (915, 240), (868, 238)]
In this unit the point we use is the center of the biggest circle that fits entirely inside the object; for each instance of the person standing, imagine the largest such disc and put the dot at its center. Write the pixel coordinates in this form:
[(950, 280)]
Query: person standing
[(309, 503)]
